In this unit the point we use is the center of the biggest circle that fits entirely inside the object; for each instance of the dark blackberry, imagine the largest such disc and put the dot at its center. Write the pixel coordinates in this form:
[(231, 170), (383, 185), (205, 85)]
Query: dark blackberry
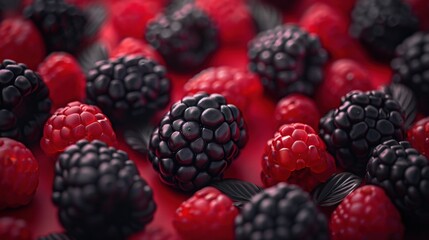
[(381, 25), (24, 102), (184, 35), (410, 67), (62, 25), (288, 60), (99, 192), (196, 141), (404, 174), (56, 236), (281, 212), (128, 87), (363, 120)]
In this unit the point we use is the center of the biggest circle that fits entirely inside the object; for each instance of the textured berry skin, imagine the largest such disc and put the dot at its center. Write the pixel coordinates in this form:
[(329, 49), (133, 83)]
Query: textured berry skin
[(281, 212), (208, 214), (128, 87), (61, 24), (134, 46), (56, 236), (24, 104), (418, 136), (14, 229), (366, 213), (296, 155), (74, 122), (297, 108), (100, 193), (196, 141), (288, 60), (21, 41), (61, 71), (342, 76), (410, 66), (185, 36), (404, 174), (236, 85), (382, 25), (19, 174), (233, 19), (363, 120)]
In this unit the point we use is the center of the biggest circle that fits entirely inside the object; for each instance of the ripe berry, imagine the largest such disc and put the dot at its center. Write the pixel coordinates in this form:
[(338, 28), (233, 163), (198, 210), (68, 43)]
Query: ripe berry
[(296, 155), (19, 174), (14, 229), (297, 108), (418, 136), (134, 47), (342, 76), (366, 213), (21, 41), (56, 236), (74, 122), (64, 78), (208, 214), (236, 85)]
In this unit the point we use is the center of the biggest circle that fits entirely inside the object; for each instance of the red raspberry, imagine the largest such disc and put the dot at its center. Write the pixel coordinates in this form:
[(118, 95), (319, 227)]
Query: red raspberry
[(19, 174), (297, 108), (344, 6), (332, 29), (61, 71), (133, 46), (367, 213), (236, 85), (14, 229), (74, 122), (296, 155), (233, 19), (342, 77), (21, 42), (418, 136), (208, 214)]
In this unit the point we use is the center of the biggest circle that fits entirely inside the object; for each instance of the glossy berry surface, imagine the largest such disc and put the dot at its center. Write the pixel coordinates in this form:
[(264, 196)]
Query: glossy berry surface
[(297, 108), (14, 229), (19, 174), (208, 214), (366, 213), (136, 47), (418, 136), (74, 122)]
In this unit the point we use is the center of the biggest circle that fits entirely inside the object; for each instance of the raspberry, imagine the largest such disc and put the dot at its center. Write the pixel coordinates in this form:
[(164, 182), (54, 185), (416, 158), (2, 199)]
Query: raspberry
[(61, 71), (232, 18), (236, 85), (185, 36), (21, 41), (366, 213), (196, 141), (14, 229), (281, 212), (74, 122), (19, 174), (296, 155), (344, 7), (208, 214), (418, 136), (297, 108), (288, 60), (404, 174), (100, 193), (342, 76), (132, 47), (363, 120)]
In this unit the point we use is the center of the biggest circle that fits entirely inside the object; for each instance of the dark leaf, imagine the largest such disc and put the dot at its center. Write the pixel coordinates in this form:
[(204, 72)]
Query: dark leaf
[(239, 191), (336, 189), (96, 15), (92, 54), (406, 99), (138, 137), (264, 15)]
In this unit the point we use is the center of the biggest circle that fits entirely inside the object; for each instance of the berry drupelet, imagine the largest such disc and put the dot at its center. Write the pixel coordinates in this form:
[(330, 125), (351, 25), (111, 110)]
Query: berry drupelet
[(196, 141), (288, 60), (100, 193)]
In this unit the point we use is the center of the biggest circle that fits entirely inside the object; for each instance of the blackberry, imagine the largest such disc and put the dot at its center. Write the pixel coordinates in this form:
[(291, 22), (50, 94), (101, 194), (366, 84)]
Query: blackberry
[(184, 35), (381, 25), (404, 174), (288, 60), (196, 141), (56, 236), (99, 192), (61, 24), (128, 87), (363, 120), (281, 212), (410, 67), (24, 102)]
